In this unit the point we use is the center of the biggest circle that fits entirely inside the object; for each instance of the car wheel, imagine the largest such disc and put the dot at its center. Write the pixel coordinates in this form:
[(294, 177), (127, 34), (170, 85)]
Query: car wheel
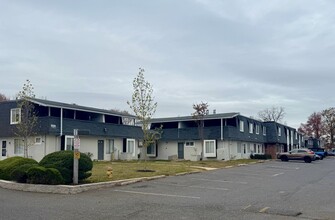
[(284, 158), (307, 159), (321, 157)]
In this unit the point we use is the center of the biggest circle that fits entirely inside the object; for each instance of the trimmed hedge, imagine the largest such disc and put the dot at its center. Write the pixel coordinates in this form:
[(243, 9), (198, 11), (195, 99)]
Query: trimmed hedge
[(63, 162), (8, 165), (42, 175), (260, 156), (19, 174)]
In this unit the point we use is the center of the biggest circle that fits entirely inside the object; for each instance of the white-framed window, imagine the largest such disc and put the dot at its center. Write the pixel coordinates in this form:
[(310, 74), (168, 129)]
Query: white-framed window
[(151, 150), (239, 148), (257, 129), (18, 147), (131, 146), (38, 140), (189, 144), (69, 142), (279, 131), (15, 116), (244, 148), (209, 148), (264, 130), (251, 127), (110, 146), (242, 126)]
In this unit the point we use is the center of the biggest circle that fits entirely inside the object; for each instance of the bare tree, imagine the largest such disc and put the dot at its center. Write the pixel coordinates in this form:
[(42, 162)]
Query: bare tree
[(144, 107), (274, 113), (200, 110), (313, 127), (328, 118), (3, 97), (26, 128)]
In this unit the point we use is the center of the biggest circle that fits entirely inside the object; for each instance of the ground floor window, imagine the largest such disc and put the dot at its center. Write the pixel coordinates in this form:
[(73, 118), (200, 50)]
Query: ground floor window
[(210, 148), (69, 142), (131, 146), (151, 150), (110, 146), (189, 144), (18, 146)]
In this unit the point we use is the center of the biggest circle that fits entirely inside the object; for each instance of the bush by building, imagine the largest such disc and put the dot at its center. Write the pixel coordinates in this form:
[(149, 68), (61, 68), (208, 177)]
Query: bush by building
[(63, 162), (8, 165), (42, 175), (19, 174)]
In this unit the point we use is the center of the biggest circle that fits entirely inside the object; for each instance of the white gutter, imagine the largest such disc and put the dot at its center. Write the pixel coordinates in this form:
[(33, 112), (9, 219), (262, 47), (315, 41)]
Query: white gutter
[(61, 121)]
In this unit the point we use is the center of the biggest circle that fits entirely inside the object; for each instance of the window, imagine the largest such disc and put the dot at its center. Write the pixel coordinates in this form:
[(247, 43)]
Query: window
[(189, 144), (242, 126), (251, 128), (257, 129), (151, 150), (244, 148), (110, 146), (239, 148), (255, 150), (210, 149), (279, 131), (131, 146), (18, 147), (15, 116), (69, 142), (38, 140), (264, 130)]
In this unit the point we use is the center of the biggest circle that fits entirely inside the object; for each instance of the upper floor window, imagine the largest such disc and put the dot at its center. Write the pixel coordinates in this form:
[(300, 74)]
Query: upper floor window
[(264, 130), (251, 128), (257, 129), (279, 131), (15, 116), (242, 126)]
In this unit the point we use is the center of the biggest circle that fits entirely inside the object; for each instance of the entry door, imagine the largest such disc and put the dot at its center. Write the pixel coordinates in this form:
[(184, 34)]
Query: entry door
[(181, 150), (4, 149), (101, 150)]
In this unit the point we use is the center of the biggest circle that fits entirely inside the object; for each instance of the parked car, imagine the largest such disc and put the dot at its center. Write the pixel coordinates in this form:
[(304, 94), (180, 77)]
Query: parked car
[(318, 157), (319, 151), (297, 154), (331, 152)]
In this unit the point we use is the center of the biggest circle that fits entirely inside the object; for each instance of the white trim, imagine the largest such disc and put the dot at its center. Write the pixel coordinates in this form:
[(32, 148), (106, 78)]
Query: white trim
[(241, 126), (210, 154), (40, 140), (12, 112), (127, 146), (65, 141)]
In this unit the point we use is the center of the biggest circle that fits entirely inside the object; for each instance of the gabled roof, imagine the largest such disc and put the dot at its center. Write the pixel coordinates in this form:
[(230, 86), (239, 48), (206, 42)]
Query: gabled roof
[(191, 118), (48, 103)]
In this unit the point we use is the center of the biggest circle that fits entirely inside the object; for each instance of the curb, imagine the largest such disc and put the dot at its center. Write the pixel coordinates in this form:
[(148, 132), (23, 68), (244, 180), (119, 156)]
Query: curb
[(65, 189)]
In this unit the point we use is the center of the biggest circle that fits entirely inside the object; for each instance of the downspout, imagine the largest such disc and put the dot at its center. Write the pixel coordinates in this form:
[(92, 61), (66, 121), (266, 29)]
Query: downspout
[(61, 122)]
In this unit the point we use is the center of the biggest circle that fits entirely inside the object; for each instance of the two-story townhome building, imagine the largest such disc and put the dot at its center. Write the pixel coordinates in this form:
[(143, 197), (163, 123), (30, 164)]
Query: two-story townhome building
[(281, 138), (224, 137), (102, 132)]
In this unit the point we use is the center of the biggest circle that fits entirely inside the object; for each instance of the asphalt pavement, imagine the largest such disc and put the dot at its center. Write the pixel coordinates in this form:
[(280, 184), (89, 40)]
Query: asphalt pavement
[(270, 190)]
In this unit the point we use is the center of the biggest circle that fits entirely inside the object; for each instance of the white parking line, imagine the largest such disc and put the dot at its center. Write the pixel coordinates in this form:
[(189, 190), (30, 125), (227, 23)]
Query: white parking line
[(221, 181), (199, 187), (157, 194), (283, 167), (277, 174)]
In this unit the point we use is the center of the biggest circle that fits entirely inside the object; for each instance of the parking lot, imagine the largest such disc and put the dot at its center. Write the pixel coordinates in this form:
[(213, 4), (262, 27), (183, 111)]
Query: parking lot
[(270, 190)]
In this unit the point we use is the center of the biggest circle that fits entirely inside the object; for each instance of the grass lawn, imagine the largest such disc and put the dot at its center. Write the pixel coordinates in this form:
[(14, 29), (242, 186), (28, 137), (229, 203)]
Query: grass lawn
[(129, 169)]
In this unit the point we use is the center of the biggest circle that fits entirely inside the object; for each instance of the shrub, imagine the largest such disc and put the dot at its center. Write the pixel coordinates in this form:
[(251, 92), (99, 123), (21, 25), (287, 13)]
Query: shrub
[(260, 156), (19, 174), (63, 162), (8, 165), (42, 175)]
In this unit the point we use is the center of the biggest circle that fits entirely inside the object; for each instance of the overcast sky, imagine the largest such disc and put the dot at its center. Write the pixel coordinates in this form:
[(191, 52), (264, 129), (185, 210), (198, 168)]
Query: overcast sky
[(237, 55)]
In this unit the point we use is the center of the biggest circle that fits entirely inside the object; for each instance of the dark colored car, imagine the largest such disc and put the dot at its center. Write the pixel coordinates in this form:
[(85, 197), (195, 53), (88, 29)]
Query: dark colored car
[(297, 154), (331, 152), (319, 151)]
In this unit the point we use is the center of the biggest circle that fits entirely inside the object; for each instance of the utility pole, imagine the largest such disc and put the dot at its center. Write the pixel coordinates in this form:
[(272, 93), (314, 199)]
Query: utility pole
[(76, 156)]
